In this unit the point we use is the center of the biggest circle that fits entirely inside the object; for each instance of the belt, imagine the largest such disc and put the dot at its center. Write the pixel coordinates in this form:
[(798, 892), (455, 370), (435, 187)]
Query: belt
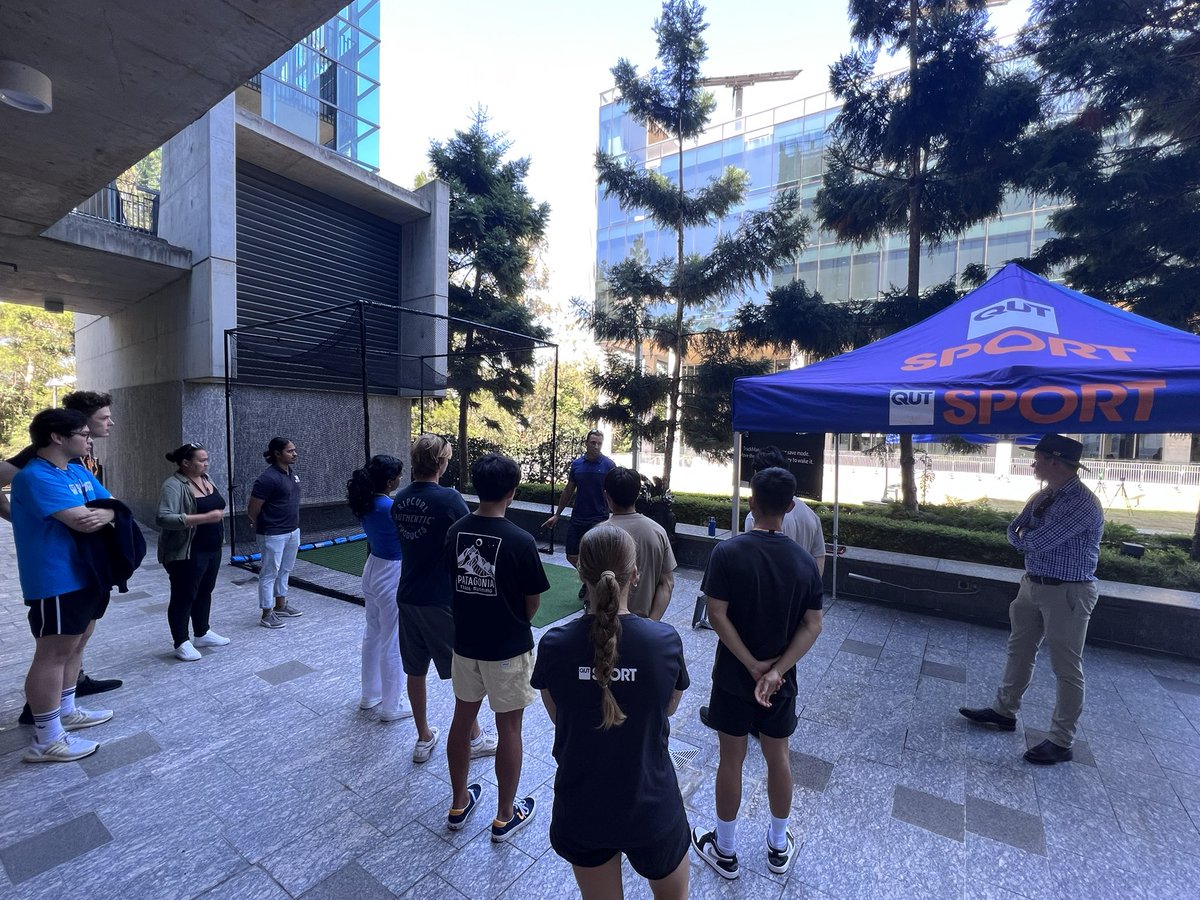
[(1046, 579)]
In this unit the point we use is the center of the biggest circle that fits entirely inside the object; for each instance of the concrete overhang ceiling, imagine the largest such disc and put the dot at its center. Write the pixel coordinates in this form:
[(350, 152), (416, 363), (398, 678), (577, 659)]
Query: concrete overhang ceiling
[(128, 75)]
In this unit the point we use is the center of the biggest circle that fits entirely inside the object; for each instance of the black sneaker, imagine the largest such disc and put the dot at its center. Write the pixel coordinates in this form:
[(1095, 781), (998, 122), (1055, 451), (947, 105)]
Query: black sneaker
[(87, 685), (523, 811), (779, 861), (988, 716), (705, 845), (456, 820), (26, 717)]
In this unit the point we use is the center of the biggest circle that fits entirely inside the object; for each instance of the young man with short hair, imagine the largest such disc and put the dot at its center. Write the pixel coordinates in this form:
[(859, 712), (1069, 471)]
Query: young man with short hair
[(498, 581), (49, 502), (801, 523), (422, 512), (585, 482), (764, 602), (655, 559)]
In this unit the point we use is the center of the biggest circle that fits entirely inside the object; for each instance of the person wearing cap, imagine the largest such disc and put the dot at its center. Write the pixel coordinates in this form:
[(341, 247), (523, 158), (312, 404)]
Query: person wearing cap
[(1059, 532)]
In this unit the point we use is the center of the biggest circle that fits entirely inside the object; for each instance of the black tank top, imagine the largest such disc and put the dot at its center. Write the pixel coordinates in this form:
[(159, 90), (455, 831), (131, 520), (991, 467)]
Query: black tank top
[(208, 537)]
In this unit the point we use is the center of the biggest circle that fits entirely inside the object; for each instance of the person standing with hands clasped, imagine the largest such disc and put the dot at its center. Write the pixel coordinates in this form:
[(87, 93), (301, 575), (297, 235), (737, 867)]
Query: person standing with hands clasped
[(610, 680), (498, 583), (274, 509), (764, 602), (1059, 532), (191, 513)]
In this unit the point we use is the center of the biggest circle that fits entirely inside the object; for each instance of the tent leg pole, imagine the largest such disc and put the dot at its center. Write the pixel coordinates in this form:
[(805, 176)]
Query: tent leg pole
[(837, 542), (737, 500)]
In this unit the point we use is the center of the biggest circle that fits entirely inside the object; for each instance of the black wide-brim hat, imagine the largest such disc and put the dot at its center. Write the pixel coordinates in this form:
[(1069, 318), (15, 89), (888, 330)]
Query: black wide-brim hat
[(1068, 450)]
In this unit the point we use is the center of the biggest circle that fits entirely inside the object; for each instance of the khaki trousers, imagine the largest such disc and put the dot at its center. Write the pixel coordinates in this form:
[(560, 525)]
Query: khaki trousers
[(1059, 614)]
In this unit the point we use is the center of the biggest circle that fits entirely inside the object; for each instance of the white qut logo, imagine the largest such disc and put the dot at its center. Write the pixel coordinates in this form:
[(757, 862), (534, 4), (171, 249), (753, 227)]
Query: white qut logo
[(1012, 313), (910, 407)]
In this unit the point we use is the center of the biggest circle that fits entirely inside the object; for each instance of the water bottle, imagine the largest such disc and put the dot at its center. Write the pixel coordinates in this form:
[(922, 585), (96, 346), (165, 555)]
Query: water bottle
[(712, 526)]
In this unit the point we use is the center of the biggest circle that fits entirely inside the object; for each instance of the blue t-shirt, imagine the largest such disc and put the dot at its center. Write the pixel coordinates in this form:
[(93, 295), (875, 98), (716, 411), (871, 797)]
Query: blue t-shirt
[(381, 533), (280, 493), (47, 559), (588, 478), (422, 513)]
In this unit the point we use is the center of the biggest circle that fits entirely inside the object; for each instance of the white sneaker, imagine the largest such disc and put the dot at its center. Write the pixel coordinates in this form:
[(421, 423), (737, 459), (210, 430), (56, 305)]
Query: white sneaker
[(210, 639), (187, 652), (369, 702), (484, 745), (84, 718), (403, 711), (424, 749), (68, 748)]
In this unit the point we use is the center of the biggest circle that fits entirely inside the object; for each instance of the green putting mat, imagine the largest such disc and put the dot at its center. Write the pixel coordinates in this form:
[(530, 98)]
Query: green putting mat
[(560, 601)]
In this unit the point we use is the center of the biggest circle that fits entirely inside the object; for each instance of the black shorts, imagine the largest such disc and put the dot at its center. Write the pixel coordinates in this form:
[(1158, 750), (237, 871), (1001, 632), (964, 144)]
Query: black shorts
[(576, 531), (733, 715), (426, 633), (68, 614), (653, 861)]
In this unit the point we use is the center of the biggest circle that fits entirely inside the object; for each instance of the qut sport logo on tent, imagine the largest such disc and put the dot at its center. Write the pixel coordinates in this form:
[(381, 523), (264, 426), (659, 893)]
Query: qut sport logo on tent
[(1012, 313), (910, 407)]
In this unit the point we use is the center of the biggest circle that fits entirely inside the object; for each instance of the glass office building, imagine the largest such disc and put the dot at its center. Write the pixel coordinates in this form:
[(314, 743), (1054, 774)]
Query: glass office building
[(783, 148), (326, 88)]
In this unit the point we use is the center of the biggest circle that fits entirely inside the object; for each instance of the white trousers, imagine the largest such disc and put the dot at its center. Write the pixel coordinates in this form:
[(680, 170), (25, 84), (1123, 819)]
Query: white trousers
[(278, 558), (382, 675)]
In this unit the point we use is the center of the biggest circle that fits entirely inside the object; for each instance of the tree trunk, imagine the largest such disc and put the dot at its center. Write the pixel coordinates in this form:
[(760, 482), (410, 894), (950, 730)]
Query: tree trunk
[(680, 343), (464, 404), (908, 481)]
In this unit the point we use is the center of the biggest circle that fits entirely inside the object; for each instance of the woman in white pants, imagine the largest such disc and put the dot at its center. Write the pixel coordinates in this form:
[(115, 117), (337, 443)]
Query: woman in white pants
[(274, 508), (369, 493)]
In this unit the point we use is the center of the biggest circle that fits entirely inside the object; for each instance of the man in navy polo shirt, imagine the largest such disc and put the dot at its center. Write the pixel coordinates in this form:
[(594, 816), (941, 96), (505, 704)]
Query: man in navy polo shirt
[(585, 479)]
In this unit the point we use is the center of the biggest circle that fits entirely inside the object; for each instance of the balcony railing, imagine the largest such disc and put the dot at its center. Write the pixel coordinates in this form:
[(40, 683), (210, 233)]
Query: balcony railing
[(136, 210)]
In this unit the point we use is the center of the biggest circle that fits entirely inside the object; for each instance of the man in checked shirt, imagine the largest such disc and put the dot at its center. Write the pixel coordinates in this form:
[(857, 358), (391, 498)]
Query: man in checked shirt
[(1059, 532)]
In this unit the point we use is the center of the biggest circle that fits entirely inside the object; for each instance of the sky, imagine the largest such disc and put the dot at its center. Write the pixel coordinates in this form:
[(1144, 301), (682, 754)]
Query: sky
[(539, 66)]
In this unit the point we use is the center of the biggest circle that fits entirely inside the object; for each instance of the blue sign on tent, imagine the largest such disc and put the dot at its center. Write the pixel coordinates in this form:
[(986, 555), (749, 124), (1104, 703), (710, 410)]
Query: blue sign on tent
[(1019, 354)]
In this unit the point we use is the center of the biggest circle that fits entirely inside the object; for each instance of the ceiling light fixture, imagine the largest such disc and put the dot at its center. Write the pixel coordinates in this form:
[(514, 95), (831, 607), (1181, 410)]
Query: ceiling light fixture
[(24, 87)]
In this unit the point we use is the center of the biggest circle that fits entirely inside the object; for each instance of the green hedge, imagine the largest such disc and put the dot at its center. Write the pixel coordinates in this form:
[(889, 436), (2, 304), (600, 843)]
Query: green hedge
[(974, 533)]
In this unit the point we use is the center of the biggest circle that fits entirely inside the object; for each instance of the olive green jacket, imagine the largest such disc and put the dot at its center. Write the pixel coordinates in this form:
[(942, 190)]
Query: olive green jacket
[(175, 502)]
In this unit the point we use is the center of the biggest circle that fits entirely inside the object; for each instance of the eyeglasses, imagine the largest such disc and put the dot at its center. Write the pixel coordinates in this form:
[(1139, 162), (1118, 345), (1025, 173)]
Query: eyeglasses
[(80, 433)]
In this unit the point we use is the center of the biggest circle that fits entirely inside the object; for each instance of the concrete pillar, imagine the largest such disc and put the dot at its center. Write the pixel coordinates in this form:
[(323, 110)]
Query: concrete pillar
[(425, 286)]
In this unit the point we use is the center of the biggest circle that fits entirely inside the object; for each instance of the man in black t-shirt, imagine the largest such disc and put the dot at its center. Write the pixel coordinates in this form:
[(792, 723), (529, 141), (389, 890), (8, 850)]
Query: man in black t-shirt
[(764, 602), (498, 581)]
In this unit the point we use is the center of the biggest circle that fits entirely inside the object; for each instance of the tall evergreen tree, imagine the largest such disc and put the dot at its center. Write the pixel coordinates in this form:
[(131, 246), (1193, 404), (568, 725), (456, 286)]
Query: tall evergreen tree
[(929, 151), (494, 227), (1122, 78), (669, 98)]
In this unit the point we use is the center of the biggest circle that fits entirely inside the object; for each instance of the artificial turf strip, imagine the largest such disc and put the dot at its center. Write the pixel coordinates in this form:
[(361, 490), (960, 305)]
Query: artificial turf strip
[(561, 600)]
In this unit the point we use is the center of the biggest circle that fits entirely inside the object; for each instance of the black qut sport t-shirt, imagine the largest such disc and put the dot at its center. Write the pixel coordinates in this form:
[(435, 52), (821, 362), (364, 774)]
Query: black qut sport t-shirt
[(422, 513), (493, 566), (769, 582), (614, 788)]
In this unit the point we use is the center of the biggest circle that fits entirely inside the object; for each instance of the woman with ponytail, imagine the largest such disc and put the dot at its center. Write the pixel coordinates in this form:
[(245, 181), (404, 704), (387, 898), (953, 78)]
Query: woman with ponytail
[(369, 492), (610, 680)]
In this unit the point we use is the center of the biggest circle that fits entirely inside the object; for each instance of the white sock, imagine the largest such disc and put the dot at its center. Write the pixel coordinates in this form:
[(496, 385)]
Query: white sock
[(777, 834), (47, 728), (67, 706), (727, 836)]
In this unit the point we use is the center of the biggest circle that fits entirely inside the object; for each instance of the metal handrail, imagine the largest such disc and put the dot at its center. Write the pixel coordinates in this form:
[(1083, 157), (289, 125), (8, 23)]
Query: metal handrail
[(136, 210)]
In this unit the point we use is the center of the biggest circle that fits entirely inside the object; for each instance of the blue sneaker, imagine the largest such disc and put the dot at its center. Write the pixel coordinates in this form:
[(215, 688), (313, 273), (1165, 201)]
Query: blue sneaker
[(456, 820), (522, 815)]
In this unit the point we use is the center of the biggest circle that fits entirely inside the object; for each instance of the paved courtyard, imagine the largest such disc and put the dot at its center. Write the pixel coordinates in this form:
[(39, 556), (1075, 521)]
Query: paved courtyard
[(252, 773)]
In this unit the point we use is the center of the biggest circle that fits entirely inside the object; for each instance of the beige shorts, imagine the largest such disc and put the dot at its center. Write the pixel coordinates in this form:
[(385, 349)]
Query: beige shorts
[(505, 682)]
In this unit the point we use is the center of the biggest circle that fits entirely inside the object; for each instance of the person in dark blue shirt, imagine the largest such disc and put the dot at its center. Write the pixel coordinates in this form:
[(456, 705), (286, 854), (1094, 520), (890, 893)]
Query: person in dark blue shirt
[(610, 681), (274, 508), (585, 482)]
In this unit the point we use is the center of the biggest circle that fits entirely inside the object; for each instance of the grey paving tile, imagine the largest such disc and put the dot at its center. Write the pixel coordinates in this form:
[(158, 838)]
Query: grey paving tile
[(943, 671), (314, 856), (284, 672), (422, 851), (1003, 784), (1175, 756), (250, 883), (810, 772), (121, 752), (431, 887), (1179, 685), (929, 812), (154, 609), (1008, 826), (118, 597), (1170, 826), (1075, 877), (862, 648), (1081, 751), (483, 868), (351, 880), (1005, 867), (41, 852)]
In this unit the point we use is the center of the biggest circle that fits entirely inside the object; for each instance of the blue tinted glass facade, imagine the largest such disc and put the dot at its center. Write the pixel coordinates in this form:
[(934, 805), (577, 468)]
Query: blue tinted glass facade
[(784, 148), (326, 88)]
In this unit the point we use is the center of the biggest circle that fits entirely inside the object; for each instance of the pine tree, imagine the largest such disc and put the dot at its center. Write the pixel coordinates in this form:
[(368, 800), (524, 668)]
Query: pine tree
[(494, 227), (669, 98), (930, 151)]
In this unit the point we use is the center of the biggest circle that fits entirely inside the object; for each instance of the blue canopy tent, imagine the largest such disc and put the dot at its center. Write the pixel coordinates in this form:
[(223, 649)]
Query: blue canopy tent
[(1018, 355)]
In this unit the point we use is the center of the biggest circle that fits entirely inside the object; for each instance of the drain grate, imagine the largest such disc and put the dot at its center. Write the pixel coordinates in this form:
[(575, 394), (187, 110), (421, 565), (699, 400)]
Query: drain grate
[(682, 754)]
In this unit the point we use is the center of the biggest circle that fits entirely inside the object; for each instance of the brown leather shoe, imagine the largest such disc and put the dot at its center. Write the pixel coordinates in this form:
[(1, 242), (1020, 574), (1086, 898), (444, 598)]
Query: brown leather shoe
[(988, 716), (1047, 753)]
